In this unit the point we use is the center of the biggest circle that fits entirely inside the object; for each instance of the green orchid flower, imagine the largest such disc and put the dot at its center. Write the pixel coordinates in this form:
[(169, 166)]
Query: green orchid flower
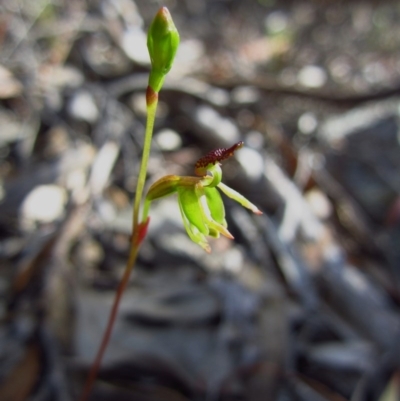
[(200, 203)]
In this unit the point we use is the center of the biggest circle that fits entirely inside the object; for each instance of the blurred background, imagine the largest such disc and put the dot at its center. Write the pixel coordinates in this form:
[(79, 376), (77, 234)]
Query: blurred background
[(304, 304)]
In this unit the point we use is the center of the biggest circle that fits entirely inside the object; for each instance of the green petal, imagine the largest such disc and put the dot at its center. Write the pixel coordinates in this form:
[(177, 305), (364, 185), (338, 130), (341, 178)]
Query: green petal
[(191, 208), (231, 193), (215, 205), (194, 234), (206, 214)]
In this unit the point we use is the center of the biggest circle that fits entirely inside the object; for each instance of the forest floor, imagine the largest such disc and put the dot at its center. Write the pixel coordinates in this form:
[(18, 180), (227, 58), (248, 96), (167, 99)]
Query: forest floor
[(304, 303)]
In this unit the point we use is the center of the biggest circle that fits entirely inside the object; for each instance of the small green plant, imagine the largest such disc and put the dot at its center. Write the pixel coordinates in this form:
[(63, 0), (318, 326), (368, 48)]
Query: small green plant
[(200, 202)]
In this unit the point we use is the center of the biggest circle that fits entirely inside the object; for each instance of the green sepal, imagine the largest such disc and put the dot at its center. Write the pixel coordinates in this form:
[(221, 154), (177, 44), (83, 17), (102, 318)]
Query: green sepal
[(206, 213), (162, 42), (194, 234), (163, 187), (215, 205), (191, 208), (231, 193)]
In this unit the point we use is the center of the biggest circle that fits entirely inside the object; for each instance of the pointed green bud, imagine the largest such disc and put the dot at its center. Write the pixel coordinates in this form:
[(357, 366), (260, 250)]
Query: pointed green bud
[(162, 42)]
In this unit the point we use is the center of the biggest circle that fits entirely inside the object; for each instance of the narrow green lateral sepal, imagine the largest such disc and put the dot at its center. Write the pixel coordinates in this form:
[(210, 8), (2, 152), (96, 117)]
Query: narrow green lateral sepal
[(162, 42), (231, 193)]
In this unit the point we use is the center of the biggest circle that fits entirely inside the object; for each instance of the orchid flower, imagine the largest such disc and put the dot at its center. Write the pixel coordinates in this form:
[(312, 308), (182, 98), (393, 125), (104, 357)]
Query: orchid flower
[(200, 203)]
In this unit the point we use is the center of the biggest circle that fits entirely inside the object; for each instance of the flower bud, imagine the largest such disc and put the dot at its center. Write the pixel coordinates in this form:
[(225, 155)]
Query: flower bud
[(162, 42)]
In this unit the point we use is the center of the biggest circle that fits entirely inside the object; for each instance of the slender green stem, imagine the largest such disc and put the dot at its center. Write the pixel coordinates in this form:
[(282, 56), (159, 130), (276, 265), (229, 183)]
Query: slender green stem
[(133, 252), (151, 115), (162, 42)]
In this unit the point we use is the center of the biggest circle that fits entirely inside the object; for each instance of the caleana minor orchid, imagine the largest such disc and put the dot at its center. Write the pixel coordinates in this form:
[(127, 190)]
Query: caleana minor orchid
[(200, 202)]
